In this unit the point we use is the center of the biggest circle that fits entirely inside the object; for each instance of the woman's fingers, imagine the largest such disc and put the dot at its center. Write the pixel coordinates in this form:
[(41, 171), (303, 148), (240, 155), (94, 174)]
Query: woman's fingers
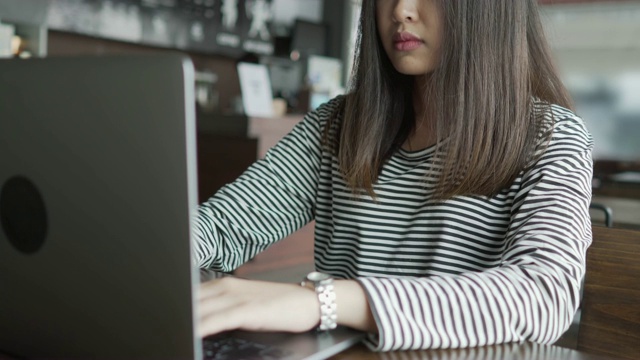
[(218, 321), (216, 304), (230, 303)]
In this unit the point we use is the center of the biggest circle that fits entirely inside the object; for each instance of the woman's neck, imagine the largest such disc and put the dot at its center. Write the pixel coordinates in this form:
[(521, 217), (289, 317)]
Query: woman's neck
[(423, 134)]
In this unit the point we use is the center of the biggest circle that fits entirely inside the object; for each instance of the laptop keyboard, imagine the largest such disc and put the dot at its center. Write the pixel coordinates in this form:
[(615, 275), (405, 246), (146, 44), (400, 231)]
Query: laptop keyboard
[(231, 348)]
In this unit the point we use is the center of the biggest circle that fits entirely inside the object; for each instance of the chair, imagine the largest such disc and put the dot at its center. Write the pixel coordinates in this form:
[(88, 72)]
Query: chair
[(608, 213), (610, 321)]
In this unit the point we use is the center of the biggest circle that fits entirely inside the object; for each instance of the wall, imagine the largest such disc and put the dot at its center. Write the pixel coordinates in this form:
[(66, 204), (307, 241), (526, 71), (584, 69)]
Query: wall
[(597, 49)]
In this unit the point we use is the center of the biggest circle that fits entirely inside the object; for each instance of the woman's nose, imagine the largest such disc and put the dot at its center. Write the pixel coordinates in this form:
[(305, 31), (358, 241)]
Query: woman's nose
[(405, 10)]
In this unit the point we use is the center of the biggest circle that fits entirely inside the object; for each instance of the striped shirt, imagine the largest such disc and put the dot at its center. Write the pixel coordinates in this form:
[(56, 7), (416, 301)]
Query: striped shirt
[(468, 271)]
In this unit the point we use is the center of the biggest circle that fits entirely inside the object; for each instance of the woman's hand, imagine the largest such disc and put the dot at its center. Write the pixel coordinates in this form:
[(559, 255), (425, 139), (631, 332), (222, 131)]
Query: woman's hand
[(232, 303)]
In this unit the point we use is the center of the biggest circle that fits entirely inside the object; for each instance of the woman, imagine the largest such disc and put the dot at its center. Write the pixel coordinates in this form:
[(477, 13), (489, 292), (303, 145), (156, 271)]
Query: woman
[(450, 190)]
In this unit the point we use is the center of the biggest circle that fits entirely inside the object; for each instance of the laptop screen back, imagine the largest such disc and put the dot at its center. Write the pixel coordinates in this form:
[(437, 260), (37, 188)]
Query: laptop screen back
[(97, 189)]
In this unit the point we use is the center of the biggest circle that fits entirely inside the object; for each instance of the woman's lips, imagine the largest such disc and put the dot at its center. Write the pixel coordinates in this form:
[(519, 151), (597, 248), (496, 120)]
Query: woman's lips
[(405, 41)]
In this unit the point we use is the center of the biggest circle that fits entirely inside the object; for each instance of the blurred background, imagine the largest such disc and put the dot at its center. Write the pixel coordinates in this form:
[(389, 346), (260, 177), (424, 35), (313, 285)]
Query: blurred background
[(597, 48), (596, 45), (305, 48)]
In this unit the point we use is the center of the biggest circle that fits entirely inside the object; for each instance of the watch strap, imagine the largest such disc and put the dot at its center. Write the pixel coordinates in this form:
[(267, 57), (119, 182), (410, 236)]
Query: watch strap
[(328, 307), (325, 290)]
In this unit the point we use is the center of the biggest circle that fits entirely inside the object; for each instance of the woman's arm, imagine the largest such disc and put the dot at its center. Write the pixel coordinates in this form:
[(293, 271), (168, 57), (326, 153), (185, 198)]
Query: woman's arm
[(232, 303), (534, 292), (272, 199)]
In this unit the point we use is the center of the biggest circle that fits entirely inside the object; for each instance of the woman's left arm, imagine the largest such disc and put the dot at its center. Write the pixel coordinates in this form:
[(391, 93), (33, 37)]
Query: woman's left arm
[(232, 303), (535, 291)]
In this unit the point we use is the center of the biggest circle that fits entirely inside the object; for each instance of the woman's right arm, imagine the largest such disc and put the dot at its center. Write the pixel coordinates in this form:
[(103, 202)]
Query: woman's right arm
[(273, 198)]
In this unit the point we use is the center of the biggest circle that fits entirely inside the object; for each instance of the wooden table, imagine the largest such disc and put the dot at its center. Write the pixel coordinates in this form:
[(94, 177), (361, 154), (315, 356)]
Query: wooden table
[(511, 351), (610, 323), (515, 351)]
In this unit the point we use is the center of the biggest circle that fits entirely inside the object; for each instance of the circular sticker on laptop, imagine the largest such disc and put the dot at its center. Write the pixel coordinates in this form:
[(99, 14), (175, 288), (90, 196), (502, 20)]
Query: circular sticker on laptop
[(23, 216)]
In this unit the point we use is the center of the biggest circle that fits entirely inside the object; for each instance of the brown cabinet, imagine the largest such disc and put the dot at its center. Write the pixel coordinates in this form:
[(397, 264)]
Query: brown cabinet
[(221, 159)]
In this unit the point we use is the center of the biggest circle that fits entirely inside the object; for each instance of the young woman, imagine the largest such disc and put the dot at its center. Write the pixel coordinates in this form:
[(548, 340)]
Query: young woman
[(450, 189)]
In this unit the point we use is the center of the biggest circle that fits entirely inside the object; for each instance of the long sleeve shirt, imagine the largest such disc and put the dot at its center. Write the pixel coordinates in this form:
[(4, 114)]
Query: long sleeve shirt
[(468, 271)]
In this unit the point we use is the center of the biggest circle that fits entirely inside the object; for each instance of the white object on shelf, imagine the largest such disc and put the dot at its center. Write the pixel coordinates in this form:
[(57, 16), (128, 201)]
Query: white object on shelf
[(257, 98), (7, 32), (29, 19)]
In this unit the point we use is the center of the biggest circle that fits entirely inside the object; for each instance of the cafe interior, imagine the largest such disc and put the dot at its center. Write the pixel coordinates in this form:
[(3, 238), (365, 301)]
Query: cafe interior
[(301, 51)]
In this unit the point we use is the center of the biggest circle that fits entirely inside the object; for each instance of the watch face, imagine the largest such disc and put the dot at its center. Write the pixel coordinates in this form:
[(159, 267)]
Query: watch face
[(318, 276)]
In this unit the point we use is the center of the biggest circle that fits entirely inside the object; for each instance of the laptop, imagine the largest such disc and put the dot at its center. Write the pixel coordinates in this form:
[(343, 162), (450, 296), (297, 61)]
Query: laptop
[(97, 192)]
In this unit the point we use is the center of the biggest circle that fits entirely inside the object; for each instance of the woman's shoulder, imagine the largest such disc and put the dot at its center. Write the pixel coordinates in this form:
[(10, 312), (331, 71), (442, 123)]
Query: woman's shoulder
[(328, 113), (330, 108), (568, 128)]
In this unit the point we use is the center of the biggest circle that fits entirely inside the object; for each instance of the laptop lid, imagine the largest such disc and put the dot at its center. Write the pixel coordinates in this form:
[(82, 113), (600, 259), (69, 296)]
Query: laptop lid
[(97, 193), (97, 189)]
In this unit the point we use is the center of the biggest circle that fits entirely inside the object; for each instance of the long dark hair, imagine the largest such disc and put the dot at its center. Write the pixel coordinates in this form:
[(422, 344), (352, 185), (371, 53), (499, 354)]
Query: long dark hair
[(494, 62)]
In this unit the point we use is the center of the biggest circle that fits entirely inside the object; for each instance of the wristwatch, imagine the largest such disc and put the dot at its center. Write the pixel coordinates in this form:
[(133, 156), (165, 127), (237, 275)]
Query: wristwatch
[(323, 285)]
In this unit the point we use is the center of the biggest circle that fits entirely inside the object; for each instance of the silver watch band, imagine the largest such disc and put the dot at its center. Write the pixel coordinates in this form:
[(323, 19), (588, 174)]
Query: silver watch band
[(324, 288), (328, 307)]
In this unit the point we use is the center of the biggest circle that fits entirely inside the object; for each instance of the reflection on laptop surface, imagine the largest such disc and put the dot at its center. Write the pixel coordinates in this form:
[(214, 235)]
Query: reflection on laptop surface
[(97, 191)]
